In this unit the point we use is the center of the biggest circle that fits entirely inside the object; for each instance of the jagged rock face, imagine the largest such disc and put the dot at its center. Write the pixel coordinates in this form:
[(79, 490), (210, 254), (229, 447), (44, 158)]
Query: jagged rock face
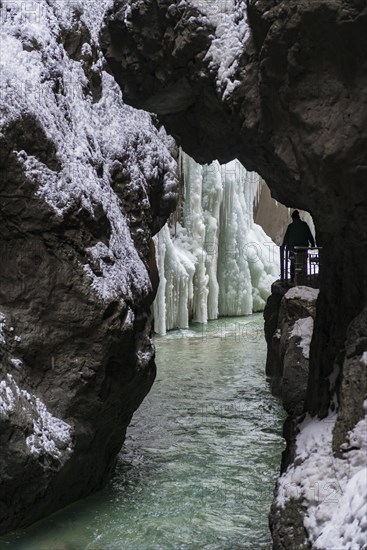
[(353, 390), (86, 181), (288, 320), (292, 109), (339, 439)]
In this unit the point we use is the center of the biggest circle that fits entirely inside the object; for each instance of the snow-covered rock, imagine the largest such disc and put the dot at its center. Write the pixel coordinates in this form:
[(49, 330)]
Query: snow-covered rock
[(50, 437), (304, 293), (289, 324), (86, 181), (321, 496), (332, 490), (303, 329)]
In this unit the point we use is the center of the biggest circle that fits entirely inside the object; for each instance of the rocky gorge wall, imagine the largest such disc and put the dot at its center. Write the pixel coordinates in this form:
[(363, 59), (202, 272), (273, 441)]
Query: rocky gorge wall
[(86, 181)]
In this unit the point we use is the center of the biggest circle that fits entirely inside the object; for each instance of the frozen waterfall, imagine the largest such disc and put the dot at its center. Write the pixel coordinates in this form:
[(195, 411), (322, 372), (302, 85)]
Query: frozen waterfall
[(213, 260)]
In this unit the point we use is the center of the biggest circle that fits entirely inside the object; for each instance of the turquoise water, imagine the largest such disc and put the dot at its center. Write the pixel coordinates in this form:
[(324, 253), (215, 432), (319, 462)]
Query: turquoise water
[(200, 460)]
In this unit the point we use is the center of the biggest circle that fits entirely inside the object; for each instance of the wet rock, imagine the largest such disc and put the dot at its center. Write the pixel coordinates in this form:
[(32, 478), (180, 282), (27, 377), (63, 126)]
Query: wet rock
[(287, 528)]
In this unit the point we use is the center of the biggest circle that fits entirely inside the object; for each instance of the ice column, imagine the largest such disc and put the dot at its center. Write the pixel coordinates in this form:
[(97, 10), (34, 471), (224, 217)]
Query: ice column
[(235, 251), (212, 192), (194, 223)]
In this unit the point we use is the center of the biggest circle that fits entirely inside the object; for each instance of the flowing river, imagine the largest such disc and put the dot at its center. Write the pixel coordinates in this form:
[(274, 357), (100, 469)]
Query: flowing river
[(200, 460)]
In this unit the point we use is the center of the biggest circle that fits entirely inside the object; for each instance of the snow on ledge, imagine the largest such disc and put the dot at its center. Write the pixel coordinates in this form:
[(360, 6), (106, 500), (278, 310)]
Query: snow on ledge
[(333, 490), (303, 328), (305, 293), (51, 437), (364, 358)]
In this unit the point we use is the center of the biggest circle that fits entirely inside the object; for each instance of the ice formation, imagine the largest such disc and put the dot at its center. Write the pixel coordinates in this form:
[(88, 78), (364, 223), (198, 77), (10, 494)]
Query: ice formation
[(213, 260)]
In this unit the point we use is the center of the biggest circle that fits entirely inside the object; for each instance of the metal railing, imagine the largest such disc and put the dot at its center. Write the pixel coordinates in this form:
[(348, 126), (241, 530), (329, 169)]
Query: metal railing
[(301, 266)]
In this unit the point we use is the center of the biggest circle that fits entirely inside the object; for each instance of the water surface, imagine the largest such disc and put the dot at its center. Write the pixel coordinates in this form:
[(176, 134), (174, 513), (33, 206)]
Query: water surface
[(199, 464)]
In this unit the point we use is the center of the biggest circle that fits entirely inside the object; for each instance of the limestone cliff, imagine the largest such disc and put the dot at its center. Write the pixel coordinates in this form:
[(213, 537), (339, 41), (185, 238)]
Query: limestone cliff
[(85, 183)]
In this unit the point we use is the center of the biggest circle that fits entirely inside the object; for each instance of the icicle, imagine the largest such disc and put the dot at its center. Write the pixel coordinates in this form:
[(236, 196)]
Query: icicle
[(211, 200), (176, 269)]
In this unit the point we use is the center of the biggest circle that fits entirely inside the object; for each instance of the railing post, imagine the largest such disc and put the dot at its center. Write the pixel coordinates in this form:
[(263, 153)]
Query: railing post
[(282, 263)]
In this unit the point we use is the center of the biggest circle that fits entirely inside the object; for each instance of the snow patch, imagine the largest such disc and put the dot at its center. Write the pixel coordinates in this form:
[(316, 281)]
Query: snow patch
[(303, 328), (305, 293), (333, 490), (229, 18), (16, 362), (364, 358), (144, 358), (7, 400), (51, 436)]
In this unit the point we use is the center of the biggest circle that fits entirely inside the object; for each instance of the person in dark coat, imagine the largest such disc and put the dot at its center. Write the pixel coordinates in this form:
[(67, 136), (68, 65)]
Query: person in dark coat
[(298, 234)]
